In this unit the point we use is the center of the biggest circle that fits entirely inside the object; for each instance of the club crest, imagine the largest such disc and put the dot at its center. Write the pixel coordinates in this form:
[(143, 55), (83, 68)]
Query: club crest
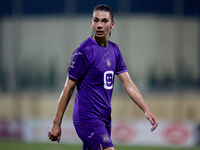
[(108, 63), (105, 138)]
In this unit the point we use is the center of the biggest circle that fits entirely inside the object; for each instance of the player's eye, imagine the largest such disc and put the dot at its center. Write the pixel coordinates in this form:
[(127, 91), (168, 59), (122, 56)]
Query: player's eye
[(105, 20), (95, 20)]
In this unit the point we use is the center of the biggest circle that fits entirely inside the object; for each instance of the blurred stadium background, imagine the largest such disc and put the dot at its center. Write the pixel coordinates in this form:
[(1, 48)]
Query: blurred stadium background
[(160, 42)]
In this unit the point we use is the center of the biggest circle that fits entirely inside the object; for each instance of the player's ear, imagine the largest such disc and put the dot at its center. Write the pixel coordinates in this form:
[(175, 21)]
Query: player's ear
[(112, 25)]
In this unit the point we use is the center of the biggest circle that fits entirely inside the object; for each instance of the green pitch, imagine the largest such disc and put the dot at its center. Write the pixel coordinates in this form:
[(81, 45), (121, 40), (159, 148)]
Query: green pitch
[(13, 145)]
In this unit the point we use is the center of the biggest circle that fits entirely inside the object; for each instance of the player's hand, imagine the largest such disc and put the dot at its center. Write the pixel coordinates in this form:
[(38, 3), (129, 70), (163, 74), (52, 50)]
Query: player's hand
[(152, 120), (54, 133)]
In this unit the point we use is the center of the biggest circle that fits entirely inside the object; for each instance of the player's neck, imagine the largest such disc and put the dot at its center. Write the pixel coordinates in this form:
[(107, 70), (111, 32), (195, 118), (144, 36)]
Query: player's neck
[(101, 41)]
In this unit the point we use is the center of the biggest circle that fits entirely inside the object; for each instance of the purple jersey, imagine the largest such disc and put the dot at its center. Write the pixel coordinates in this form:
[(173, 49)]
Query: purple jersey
[(94, 67)]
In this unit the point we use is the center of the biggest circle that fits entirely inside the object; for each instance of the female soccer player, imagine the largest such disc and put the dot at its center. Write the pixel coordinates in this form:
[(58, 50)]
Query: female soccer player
[(92, 70)]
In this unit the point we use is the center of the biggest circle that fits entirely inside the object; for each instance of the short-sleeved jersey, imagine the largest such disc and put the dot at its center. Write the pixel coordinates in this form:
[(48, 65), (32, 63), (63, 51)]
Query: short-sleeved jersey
[(94, 67)]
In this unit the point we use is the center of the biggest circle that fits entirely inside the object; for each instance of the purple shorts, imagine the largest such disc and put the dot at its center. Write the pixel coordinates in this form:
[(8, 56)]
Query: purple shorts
[(93, 134)]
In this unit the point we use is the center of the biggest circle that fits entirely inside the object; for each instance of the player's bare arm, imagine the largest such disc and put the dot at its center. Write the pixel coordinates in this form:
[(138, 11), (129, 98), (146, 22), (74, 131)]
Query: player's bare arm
[(136, 96), (55, 130)]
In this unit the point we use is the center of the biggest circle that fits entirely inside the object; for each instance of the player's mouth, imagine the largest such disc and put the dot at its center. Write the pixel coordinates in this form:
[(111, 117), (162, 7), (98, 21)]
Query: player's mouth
[(99, 32)]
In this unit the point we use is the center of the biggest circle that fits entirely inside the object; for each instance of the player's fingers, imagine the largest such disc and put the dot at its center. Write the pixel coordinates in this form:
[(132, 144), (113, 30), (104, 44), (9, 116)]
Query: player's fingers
[(150, 118), (52, 137), (154, 127), (49, 135), (154, 124), (58, 139), (151, 121)]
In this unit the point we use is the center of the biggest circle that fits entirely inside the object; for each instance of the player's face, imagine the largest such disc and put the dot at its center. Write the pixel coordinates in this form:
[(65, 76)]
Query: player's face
[(101, 24)]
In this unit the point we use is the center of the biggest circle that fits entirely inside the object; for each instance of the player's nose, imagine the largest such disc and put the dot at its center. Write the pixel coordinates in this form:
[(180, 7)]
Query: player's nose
[(99, 25)]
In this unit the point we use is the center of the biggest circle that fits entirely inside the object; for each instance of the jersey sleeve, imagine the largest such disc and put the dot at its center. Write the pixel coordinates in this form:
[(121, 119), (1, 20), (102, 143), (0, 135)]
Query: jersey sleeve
[(79, 65), (121, 66)]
